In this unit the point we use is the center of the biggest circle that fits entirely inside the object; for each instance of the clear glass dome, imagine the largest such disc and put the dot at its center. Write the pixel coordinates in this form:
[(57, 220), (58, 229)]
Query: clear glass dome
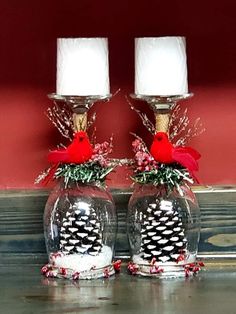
[(80, 228), (163, 230)]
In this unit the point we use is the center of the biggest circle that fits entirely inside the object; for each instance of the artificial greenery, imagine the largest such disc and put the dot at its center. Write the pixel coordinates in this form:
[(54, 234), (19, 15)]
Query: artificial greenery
[(171, 175), (85, 173)]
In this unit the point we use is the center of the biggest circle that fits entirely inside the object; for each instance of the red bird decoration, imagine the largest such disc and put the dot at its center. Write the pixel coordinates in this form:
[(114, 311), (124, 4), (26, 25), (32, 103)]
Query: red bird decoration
[(78, 152), (164, 152)]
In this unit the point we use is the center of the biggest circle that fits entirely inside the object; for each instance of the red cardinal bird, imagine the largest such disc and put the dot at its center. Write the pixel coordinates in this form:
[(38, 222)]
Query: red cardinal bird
[(164, 152), (78, 152)]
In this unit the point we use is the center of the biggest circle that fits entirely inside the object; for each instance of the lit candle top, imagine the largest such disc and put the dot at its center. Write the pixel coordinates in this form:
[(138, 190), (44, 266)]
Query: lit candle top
[(82, 66), (160, 66)]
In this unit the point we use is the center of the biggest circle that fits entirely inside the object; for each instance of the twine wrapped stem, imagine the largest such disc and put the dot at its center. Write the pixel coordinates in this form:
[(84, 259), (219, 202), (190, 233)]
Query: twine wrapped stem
[(80, 121), (162, 117)]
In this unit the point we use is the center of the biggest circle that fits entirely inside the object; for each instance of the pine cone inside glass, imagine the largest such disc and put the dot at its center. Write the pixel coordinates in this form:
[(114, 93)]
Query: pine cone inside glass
[(163, 229), (80, 228), (80, 232), (162, 232)]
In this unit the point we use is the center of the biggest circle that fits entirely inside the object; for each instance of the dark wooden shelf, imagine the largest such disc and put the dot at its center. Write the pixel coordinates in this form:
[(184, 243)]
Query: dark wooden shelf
[(21, 223)]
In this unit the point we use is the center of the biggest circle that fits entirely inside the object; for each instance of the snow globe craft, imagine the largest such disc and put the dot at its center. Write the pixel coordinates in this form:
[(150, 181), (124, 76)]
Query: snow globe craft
[(80, 218), (163, 215)]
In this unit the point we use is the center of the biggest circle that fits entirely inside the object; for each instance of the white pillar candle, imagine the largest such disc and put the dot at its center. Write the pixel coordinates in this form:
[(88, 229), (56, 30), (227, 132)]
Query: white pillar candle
[(160, 66), (82, 66)]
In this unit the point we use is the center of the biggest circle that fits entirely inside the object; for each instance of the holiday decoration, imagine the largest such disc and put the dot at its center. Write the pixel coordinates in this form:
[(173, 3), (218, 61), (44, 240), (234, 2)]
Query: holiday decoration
[(163, 216), (78, 152), (79, 218), (164, 152)]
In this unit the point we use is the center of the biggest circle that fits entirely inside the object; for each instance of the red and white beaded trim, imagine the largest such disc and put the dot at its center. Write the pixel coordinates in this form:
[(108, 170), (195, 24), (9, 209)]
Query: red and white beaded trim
[(156, 270), (52, 271)]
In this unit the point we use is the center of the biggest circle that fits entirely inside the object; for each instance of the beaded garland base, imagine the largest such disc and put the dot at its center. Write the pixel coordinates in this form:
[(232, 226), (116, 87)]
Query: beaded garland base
[(50, 270), (173, 270)]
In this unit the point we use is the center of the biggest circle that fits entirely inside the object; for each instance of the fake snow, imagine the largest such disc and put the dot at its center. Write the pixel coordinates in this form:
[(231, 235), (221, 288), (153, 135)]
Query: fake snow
[(84, 262)]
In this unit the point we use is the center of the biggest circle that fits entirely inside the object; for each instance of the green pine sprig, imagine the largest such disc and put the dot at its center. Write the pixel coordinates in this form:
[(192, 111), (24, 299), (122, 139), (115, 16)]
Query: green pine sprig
[(170, 175), (85, 173)]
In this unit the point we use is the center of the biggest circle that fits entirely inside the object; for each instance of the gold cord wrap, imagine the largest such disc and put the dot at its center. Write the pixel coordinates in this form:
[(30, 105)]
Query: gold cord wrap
[(162, 120), (80, 121)]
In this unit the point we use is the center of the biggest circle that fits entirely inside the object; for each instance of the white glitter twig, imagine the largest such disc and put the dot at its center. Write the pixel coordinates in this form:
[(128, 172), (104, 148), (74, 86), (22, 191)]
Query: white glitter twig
[(61, 118), (146, 122)]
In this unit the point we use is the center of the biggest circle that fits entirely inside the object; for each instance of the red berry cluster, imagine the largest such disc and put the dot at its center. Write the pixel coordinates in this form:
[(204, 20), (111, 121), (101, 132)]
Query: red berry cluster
[(100, 152), (144, 160)]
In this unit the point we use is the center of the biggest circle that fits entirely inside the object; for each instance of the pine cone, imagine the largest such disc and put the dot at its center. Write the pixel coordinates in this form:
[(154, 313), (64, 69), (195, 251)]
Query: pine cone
[(80, 233), (162, 233)]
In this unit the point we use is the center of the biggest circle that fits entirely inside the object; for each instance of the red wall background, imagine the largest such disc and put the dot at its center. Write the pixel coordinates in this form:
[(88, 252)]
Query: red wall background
[(28, 32)]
